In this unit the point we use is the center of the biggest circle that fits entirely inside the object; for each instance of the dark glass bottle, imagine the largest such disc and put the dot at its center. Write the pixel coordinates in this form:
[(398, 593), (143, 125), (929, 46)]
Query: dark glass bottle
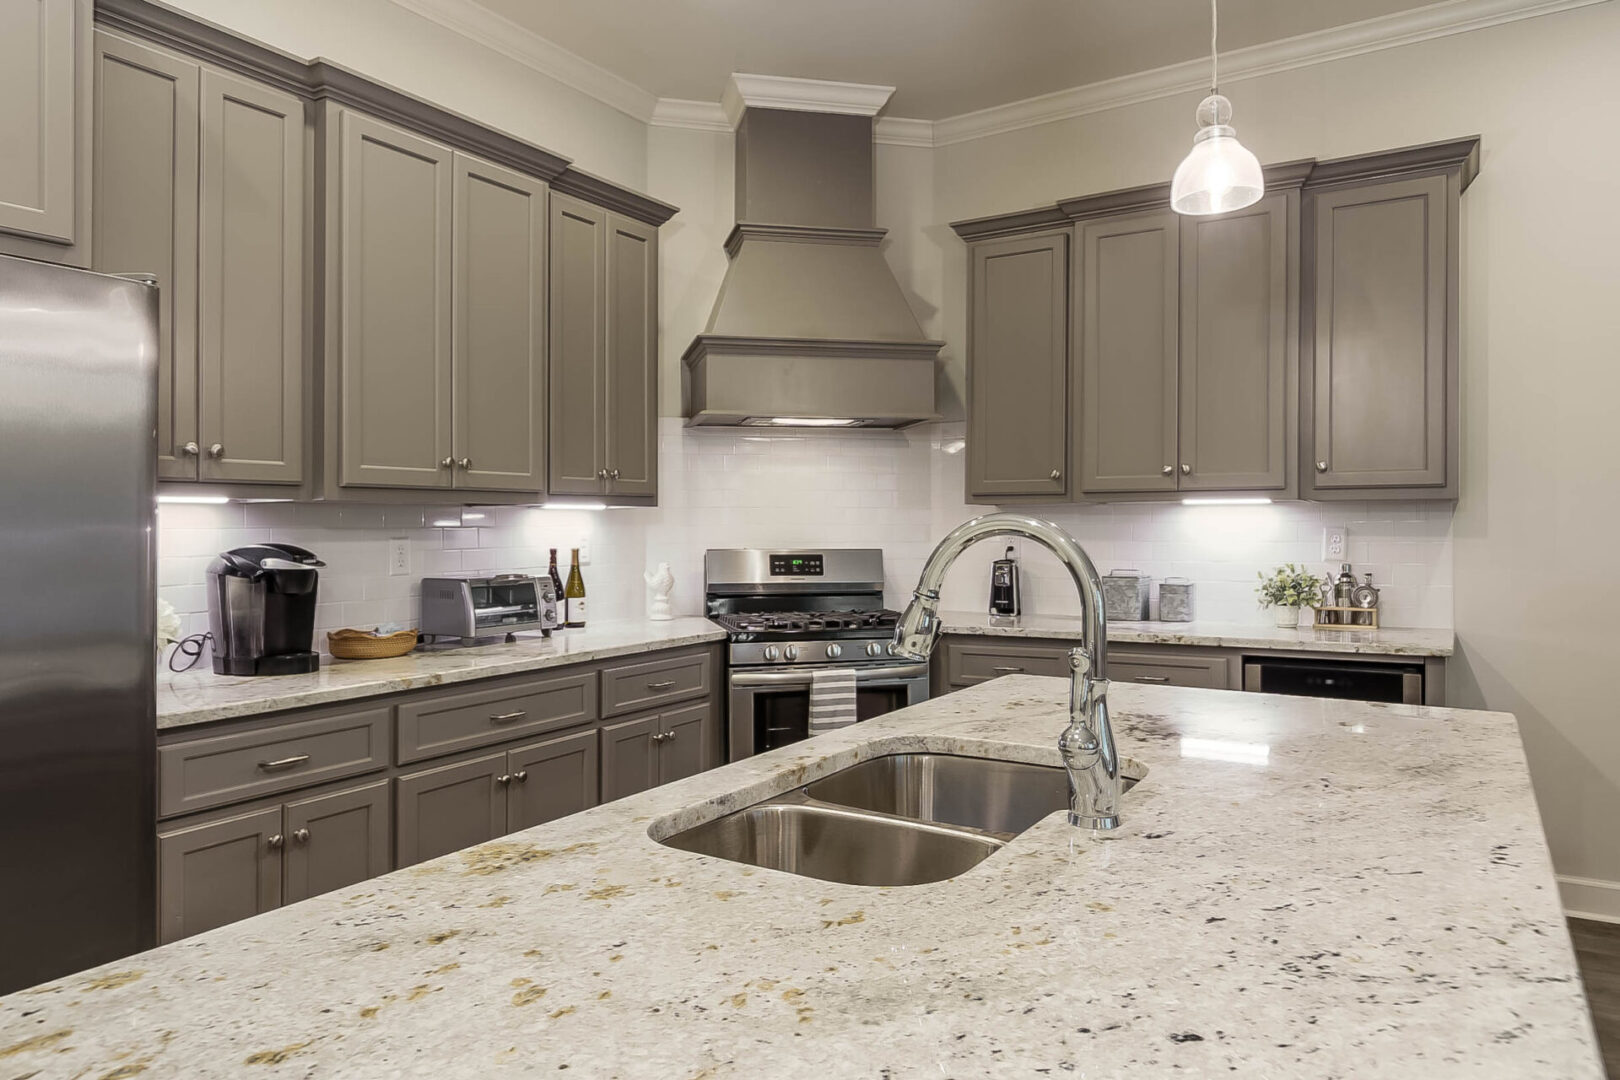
[(556, 581)]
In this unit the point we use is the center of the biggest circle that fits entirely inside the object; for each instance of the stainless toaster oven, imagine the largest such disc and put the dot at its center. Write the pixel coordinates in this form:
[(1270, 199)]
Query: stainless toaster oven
[(480, 607)]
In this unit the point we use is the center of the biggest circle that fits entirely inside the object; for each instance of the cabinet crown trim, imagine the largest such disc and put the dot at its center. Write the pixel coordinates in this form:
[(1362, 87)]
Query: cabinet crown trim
[(804, 234)]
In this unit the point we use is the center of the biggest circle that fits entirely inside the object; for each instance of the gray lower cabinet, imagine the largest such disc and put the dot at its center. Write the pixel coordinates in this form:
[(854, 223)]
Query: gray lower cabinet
[(553, 778), (1129, 280), (1238, 346), (643, 752), (1380, 381), (603, 377), (218, 873), (335, 840), (1018, 375), (46, 83), (450, 807), (1175, 667)]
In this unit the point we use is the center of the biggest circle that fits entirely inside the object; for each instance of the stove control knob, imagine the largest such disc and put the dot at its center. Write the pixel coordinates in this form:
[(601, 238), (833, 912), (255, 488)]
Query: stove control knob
[(834, 651), (792, 652), (772, 652), (893, 650), (873, 648)]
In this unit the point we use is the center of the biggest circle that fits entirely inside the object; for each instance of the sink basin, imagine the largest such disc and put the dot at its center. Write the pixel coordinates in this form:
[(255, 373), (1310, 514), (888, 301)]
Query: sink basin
[(837, 845), (901, 819)]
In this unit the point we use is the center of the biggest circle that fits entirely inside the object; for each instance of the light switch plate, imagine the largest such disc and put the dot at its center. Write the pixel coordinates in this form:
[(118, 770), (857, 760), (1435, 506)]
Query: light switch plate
[(399, 557), (1335, 543), (584, 551)]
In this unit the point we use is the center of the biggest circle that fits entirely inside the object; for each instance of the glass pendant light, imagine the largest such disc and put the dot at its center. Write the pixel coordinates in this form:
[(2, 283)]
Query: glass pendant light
[(1220, 174)]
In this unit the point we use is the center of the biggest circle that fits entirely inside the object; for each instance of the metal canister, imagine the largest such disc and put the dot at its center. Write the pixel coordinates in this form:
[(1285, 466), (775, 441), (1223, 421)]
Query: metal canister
[(1125, 595), (1175, 600)]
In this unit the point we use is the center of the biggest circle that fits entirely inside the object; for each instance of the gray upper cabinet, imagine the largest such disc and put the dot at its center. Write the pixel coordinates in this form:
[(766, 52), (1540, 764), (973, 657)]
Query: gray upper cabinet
[(631, 376), (578, 314), (499, 336), (251, 254), (1018, 428), (1128, 286), (1380, 383), (146, 211), (391, 315), (1239, 310), (45, 81)]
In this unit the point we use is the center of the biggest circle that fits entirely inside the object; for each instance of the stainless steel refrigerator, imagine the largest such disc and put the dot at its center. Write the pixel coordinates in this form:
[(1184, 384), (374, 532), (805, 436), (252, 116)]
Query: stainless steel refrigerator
[(78, 439)]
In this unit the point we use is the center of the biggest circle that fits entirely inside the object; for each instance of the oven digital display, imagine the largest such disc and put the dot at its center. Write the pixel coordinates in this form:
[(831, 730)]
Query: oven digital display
[(796, 566)]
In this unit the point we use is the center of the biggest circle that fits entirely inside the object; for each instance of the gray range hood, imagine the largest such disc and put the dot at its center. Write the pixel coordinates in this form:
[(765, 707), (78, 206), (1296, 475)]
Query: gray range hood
[(810, 328)]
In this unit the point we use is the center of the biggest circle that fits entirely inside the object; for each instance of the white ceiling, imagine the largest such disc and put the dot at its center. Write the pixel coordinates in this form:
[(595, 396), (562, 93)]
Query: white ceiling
[(946, 57)]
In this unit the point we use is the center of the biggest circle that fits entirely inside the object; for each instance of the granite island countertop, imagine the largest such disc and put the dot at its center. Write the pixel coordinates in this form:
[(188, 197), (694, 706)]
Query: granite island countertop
[(1210, 633), (1300, 887), (199, 696)]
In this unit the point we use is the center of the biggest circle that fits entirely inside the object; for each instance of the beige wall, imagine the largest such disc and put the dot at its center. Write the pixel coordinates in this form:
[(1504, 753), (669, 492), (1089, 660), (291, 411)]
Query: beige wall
[(386, 42), (1536, 589)]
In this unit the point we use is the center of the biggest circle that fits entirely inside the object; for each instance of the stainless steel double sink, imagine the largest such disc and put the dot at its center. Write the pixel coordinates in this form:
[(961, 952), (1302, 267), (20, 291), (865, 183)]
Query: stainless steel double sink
[(900, 819)]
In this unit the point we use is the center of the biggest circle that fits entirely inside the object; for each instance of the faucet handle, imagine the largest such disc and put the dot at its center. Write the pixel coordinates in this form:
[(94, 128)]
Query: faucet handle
[(1080, 660)]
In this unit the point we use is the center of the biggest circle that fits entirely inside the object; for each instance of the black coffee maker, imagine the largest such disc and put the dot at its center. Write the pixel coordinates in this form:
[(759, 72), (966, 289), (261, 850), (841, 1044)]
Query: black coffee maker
[(261, 610)]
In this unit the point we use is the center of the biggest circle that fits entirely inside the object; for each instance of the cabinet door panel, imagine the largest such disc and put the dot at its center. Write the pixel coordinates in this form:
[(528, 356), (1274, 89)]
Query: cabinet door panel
[(1019, 378), (1235, 348), (552, 779), (631, 376), (39, 84), (500, 325), (336, 840), (691, 738), (1129, 352), (394, 307), (578, 353), (218, 873), (145, 215), (251, 239), (629, 757), (450, 807), (1378, 396)]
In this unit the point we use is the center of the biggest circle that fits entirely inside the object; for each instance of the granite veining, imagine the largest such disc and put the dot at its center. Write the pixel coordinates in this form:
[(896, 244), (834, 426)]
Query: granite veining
[(1210, 633), (199, 696), (1300, 888)]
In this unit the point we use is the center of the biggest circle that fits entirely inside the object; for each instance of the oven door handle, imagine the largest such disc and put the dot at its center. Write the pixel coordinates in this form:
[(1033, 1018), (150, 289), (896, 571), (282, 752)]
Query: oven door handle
[(801, 676)]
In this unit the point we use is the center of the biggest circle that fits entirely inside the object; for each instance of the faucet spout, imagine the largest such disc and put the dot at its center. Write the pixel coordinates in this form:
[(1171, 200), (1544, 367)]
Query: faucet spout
[(1087, 744)]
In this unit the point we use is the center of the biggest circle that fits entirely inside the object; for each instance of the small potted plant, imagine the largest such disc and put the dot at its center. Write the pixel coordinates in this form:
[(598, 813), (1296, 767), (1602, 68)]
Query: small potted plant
[(1288, 589)]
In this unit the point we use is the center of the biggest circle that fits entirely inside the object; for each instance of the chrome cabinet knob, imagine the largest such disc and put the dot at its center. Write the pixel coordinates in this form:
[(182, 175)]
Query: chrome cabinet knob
[(465, 463), (669, 734), (613, 474), (791, 652), (190, 449), (301, 836), (772, 652), (1169, 470), (503, 779), (601, 474), (275, 842), (874, 648), (834, 651), (658, 736), (448, 463), (1057, 474), (1186, 470), (216, 450), (1321, 466), (521, 775)]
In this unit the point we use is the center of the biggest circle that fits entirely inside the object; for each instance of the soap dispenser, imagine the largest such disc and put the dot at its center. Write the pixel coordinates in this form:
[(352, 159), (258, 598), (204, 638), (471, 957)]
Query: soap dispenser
[(1004, 598)]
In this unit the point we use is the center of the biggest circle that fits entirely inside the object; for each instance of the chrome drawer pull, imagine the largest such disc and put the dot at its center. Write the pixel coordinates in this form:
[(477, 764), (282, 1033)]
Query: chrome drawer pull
[(661, 685), (1008, 670), (283, 763), (1151, 678), (507, 717)]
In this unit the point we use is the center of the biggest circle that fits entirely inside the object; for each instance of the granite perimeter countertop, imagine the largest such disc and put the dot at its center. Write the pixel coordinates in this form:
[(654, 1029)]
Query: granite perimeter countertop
[(200, 696), (1212, 634), (1300, 888)]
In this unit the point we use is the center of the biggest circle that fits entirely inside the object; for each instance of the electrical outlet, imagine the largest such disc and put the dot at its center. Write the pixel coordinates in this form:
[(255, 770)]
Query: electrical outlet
[(1335, 543), (584, 552), (399, 557)]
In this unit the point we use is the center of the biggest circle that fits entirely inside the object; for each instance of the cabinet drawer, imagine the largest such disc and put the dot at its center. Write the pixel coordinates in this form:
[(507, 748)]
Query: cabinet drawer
[(201, 773), (1205, 671), (972, 662), (639, 687), (445, 724)]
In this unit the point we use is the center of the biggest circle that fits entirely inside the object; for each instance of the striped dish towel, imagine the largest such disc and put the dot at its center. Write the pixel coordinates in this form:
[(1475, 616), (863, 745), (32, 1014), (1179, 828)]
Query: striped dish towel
[(832, 699)]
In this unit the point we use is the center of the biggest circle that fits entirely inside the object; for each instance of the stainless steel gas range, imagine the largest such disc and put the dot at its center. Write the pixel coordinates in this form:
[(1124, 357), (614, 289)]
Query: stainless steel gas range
[(790, 612)]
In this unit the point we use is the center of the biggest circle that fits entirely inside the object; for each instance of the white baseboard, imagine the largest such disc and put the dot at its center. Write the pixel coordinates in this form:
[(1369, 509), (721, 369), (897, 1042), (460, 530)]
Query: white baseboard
[(1590, 898)]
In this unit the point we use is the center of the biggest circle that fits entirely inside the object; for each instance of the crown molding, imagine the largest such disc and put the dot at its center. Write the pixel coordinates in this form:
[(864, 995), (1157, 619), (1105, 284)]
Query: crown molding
[(745, 91), (692, 115), (479, 24), (903, 131), (1320, 47)]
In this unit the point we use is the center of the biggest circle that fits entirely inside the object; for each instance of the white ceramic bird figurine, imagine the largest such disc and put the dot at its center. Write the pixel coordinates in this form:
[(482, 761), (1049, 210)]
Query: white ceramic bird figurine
[(661, 582)]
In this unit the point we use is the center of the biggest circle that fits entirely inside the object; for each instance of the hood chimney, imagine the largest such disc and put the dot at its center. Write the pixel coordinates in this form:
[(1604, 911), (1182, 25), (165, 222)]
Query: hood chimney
[(810, 328)]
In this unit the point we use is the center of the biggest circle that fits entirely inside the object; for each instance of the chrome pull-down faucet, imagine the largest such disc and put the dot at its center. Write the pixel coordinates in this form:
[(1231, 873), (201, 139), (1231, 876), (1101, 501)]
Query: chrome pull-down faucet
[(1087, 744)]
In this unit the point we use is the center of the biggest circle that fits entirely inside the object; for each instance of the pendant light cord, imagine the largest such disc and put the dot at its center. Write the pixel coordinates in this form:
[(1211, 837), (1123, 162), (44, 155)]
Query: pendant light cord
[(1214, 81)]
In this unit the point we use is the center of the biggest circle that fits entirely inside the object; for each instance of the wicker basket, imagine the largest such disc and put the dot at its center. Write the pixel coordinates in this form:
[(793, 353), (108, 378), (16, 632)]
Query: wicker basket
[(369, 645)]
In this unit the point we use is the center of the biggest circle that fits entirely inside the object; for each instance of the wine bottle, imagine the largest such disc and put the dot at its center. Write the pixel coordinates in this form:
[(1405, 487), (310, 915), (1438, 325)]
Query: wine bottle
[(556, 581), (575, 595)]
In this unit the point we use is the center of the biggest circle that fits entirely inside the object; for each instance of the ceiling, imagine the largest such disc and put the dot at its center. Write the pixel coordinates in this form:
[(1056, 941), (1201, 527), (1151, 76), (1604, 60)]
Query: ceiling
[(946, 57)]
